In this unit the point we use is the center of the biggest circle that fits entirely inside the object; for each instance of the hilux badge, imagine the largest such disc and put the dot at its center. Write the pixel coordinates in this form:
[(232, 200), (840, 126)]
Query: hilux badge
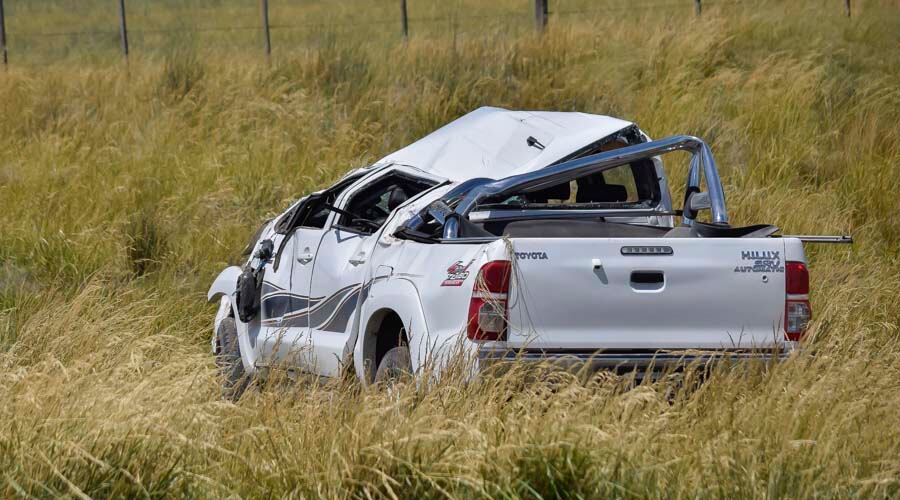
[(760, 261)]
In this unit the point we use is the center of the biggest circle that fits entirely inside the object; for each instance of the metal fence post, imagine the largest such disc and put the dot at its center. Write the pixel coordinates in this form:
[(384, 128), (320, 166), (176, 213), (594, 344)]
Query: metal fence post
[(404, 19), (698, 7), (541, 13), (123, 28), (3, 36), (265, 20), (847, 7)]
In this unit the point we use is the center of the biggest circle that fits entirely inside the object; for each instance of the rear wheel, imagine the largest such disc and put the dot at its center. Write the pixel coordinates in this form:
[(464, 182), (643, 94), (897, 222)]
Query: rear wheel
[(395, 366), (228, 359)]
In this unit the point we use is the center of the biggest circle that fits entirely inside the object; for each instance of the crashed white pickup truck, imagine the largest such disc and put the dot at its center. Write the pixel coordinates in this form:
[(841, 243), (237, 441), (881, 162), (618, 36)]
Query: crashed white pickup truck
[(521, 236)]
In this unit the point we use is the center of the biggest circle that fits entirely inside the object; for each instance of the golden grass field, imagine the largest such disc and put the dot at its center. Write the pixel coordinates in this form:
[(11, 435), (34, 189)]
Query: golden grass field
[(125, 189)]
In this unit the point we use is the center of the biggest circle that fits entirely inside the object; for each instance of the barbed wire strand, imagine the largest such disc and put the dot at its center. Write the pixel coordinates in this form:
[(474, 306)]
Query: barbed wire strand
[(412, 21)]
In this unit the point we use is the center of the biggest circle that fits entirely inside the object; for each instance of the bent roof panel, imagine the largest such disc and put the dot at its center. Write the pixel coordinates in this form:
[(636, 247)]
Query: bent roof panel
[(492, 142)]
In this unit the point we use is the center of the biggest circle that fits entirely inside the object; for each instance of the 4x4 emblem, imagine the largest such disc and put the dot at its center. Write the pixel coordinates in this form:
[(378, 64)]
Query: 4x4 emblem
[(457, 273)]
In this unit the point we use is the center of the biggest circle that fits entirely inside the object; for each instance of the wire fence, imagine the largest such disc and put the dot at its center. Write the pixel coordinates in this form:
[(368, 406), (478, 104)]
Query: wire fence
[(538, 15)]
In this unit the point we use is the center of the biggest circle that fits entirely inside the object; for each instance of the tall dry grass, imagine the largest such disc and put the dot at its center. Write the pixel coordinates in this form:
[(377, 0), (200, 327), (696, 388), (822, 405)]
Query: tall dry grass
[(124, 191)]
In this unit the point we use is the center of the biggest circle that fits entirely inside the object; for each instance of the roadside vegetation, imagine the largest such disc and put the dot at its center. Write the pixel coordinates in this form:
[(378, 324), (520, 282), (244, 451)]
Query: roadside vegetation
[(124, 190)]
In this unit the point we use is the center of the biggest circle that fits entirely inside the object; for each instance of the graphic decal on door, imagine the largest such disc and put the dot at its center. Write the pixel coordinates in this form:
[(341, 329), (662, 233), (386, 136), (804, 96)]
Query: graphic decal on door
[(276, 302), (330, 313)]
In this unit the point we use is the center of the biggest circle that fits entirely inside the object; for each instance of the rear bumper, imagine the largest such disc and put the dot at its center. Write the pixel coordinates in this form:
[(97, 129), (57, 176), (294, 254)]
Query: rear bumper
[(623, 361)]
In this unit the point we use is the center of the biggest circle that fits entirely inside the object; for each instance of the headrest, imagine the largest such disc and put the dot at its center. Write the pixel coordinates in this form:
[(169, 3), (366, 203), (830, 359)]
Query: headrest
[(557, 192), (396, 198), (594, 189)]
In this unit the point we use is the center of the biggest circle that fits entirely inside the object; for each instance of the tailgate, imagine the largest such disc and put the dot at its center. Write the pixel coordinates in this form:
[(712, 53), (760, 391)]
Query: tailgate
[(640, 293)]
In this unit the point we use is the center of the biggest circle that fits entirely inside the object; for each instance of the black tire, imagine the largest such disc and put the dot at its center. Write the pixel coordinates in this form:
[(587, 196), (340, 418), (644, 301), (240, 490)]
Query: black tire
[(228, 359), (394, 367)]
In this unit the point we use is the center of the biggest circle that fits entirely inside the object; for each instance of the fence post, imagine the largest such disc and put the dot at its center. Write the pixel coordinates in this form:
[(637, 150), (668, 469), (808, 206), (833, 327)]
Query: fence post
[(847, 7), (123, 28), (541, 13), (698, 7), (404, 20), (265, 20), (3, 36)]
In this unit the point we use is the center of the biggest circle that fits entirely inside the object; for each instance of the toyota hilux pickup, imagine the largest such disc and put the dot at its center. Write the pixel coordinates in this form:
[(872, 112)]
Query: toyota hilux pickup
[(512, 236)]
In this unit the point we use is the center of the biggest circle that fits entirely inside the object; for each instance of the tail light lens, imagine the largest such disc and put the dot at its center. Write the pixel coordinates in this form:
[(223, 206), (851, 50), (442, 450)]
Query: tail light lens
[(797, 312), (488, 312), (797, 278)]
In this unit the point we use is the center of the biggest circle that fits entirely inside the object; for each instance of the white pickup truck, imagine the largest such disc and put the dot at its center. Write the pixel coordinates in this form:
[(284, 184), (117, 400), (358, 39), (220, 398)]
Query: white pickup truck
[(515, 235)]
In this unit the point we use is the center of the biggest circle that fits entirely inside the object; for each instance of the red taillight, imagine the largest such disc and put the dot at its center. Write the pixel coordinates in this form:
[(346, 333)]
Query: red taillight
[(796, 278), (487, 310), (797, 311), (494, 277)]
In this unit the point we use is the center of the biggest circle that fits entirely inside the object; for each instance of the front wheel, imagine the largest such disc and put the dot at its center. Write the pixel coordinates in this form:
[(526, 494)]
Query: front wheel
[(228, 359)]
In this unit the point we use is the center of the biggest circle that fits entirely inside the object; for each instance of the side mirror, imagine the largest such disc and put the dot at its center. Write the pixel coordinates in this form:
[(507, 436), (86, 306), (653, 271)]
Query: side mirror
[(266, 250)]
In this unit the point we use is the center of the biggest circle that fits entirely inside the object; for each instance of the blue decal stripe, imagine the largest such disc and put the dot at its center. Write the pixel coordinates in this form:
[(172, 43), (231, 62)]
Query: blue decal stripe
[(338, 322), (318, 310)]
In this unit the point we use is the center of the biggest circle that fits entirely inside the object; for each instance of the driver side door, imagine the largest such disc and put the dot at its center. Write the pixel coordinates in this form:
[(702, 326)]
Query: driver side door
[(284, 333)]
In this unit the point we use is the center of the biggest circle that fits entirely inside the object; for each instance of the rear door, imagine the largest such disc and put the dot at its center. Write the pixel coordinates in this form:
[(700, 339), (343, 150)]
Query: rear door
[(642, 293)]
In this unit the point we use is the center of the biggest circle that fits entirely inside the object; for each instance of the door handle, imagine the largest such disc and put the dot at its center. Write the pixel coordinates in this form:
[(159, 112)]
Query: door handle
[(305, 258), (359, 259)]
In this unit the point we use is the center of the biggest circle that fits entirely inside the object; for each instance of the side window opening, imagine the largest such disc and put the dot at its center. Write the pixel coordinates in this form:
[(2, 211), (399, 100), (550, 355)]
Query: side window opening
[(374, 203), (312, 212), (318, 213)]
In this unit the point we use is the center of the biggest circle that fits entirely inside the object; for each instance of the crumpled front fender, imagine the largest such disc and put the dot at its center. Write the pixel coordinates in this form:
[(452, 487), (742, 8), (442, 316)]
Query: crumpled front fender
[(223, 287), (225, 283)]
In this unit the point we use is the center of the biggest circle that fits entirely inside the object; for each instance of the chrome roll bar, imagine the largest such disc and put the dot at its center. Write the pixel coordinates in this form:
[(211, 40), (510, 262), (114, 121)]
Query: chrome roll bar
[(702, 159)]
